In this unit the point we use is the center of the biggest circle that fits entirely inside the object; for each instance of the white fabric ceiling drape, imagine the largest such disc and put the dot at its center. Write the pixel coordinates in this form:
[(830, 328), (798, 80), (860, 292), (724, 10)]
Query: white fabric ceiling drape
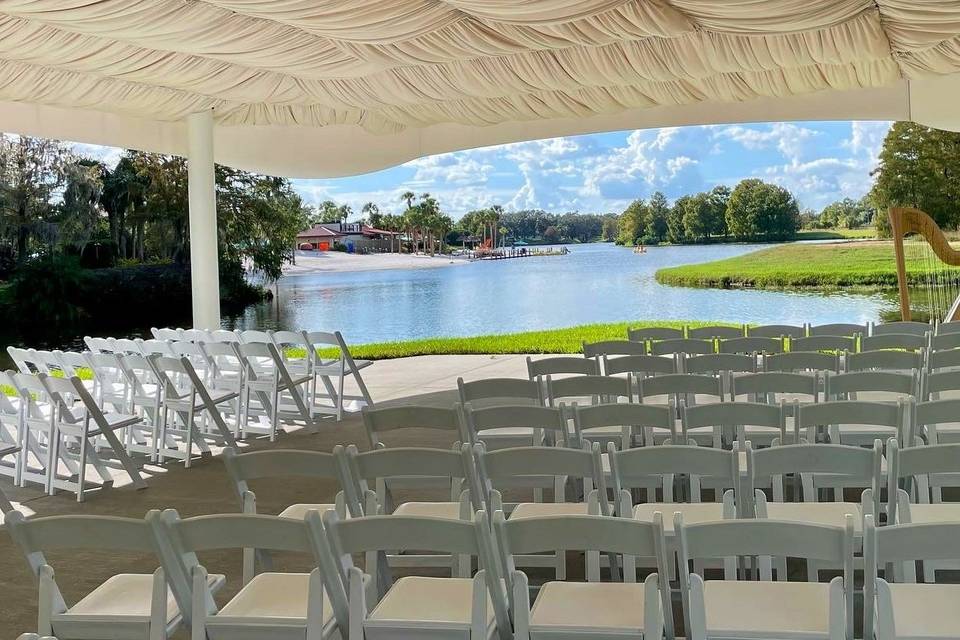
[(403, 68)]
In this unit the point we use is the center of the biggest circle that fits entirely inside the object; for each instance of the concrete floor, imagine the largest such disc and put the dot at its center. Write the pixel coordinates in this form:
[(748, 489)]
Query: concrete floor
[(205, 488)]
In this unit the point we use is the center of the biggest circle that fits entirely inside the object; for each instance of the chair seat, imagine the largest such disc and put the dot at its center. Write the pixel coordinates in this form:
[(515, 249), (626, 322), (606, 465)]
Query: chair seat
[(124, 602), (276, 600), (446, 510), (540, 509), (768, 610), (825, 513), (611, 607), (693, 512), (421, 604), (922, 611), (934, 513), (299, 511)]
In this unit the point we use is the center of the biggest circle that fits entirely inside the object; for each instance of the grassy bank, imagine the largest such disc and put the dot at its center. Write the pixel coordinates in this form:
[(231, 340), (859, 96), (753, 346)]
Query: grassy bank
[(568, 340), (797, 266), (865, 233)]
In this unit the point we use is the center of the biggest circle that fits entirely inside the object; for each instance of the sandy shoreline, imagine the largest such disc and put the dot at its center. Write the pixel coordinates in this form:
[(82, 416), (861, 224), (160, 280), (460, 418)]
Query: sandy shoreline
[(340, 262)]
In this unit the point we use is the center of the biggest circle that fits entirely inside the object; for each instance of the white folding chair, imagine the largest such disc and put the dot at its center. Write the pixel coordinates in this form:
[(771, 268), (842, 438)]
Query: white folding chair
[(382, 421), (592, 390), (265, 374), (185, 395), (592, 609), (729, 422), (895, 606), (272, 605), (856, 422), (99, 345), (127, 605), (38, 462), (768, 609), (632, 422), (502, 426), (343, 365), (166, 333), (412, 606), (81, 426)]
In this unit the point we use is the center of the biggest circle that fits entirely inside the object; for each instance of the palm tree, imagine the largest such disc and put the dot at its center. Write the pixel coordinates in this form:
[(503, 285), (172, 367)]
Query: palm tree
[(408, 196)]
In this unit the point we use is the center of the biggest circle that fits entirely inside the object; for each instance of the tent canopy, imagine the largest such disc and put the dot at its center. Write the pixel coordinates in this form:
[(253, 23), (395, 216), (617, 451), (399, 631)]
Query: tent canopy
[(321, 88)]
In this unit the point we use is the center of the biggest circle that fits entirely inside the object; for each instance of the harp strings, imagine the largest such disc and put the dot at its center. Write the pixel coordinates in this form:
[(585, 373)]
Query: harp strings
[(936, 285)]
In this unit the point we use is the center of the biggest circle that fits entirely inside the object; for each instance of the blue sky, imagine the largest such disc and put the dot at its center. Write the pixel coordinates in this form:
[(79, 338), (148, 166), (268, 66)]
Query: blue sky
[(818, 161)]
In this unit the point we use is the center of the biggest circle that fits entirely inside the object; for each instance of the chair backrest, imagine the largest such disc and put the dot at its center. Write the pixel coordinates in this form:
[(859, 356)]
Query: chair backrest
[(498, 390), (928, 416), (517, 466), (893, 341), (904, 543), (753, 344), (127, 345), (940, 381), (601, 388), (365, 469), (853, 412), (550, 419), (839, 386), (623, 414), (277, 463), (224, 335), (614, 348), (770, 386), (24, 361), (382, 420), (643, 334), (885, 359), (640, 366), (253, 336), (167, 333), (163, 347), (682, 386), (945, 358), (837, 329), (714, 363), (632, 468), (945, 328), (838, 460), (901, 327), (715, 331), (192, 350), (944, 341), (98, 344), (196, 335), (733, 415), (692, 346), (560, 365), (802, 361), (777, 331), (839, 344), (71, 362), (916, 462)]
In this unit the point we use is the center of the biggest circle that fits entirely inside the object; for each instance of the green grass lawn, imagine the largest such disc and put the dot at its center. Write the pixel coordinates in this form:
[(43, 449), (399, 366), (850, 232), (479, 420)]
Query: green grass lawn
[(837, 234), (568, 340), (824, 266)]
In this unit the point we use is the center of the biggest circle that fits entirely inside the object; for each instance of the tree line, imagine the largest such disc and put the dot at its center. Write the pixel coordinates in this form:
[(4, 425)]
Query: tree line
[(753, 210)]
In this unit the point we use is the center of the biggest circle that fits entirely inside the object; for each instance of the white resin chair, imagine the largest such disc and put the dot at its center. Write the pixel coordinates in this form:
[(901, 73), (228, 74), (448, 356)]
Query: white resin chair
[(167, 333), (871, 386), (341, 367), (412, 606), (592, 609), (79, 422), (689, 346), (502, 391), (225, 335), (522, 468), (896, 607), (901, 327), (681, 389), (196, 335), (752, 345), (802, 361), (935, 422), (838, 329), (647, 335), (562, 365), (160, 347), (776, 387), (273, 605), (767, 609), (593, 350), (99, 345), (37, 433), (719, 364), (185, 396), (715, 332), (146, 399), (909, 341), (640, 366), (885, 359), (590, 390), (825, 343), (280, 394), (132, 606)]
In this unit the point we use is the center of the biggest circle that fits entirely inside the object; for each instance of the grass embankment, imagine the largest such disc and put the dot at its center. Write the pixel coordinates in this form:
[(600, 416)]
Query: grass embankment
[(865, 233), (868, 265), (568, 340)]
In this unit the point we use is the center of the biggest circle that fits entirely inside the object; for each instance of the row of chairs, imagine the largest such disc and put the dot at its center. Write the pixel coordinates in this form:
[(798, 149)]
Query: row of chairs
[(793, 331), (338, 597)]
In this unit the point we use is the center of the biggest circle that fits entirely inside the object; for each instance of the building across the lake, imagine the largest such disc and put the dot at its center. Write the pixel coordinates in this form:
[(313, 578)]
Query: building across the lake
[(355, 236)]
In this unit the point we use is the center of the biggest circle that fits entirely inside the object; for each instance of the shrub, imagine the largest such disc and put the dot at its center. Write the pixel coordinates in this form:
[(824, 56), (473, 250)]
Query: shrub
[(47, 292)]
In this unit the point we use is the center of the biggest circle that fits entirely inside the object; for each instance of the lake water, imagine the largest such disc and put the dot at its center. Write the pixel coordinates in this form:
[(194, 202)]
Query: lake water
[(593, 283)]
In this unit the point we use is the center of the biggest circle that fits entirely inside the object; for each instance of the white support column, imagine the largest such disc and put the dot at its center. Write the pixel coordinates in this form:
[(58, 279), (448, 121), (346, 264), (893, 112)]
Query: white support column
[(204, 264)]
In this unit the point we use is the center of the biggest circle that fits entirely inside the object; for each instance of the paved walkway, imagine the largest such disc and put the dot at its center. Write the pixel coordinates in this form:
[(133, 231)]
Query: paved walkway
[(204, 488)]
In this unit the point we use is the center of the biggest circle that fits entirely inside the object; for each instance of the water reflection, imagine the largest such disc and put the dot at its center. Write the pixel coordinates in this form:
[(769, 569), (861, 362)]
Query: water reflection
[(593, 283)]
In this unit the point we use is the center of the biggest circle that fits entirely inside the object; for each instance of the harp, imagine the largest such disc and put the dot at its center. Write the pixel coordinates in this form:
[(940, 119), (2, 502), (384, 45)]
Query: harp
[(919, 242)]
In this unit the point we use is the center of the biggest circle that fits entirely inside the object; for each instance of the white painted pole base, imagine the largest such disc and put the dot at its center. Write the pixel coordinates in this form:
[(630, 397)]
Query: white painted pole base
[(204, 264)]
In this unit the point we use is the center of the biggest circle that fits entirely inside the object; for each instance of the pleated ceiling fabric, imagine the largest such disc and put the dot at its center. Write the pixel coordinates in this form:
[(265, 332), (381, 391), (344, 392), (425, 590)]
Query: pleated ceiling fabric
[(388, 80)]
